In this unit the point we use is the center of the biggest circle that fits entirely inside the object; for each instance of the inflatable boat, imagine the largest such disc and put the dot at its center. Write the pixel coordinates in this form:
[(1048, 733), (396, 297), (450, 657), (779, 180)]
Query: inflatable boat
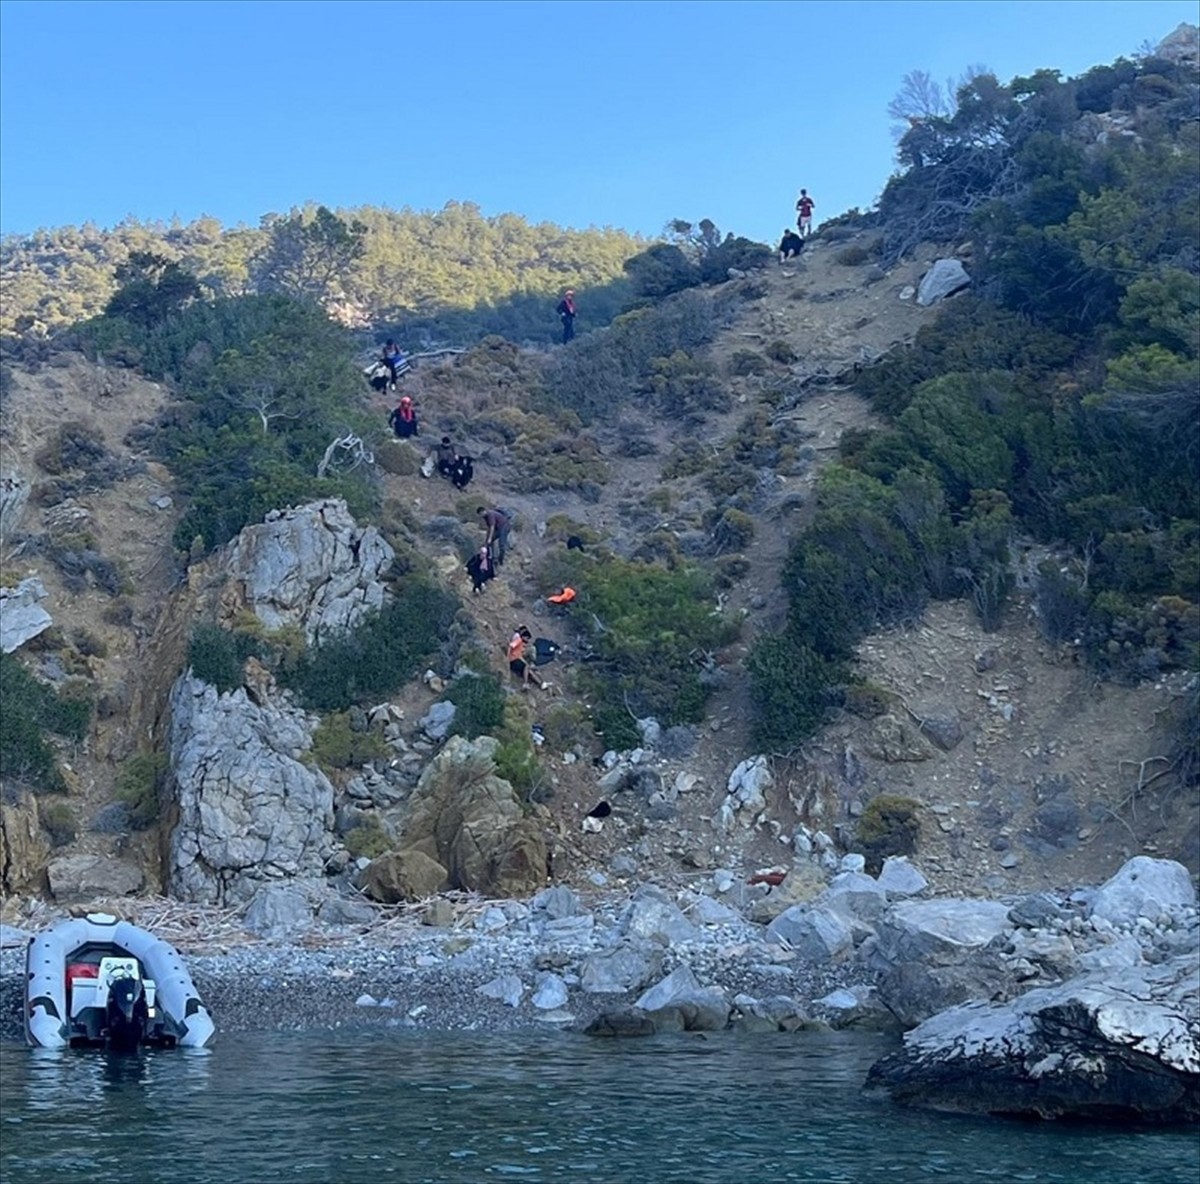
[(95, 981)]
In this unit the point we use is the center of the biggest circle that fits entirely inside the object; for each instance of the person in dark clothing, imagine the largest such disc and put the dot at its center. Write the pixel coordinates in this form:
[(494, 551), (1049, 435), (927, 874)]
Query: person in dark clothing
[(790, 245), (463, 471), (393, 358), (447, 457), (403, 419), (497, 524), (481, 569), (566, 314)]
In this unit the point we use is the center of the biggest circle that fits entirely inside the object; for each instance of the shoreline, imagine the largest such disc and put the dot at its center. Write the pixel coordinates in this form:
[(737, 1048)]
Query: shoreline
[(403, 973)]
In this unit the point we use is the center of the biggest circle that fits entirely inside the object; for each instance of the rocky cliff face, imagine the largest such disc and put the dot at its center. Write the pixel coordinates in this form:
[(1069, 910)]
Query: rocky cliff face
[(311, 567), (250, 809)]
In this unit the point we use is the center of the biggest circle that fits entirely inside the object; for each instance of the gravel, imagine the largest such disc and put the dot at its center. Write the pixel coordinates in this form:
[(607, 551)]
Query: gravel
[(430, 978)]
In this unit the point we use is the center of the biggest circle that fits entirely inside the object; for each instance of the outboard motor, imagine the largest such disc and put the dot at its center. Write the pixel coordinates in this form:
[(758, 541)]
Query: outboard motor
[(126, 1013)]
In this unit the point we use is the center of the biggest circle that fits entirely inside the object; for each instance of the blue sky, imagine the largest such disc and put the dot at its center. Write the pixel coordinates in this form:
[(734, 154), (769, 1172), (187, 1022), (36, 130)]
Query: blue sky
[(622, 114)]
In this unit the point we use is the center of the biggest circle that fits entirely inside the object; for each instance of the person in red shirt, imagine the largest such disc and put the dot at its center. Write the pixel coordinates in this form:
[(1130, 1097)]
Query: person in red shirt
[(804, 220)]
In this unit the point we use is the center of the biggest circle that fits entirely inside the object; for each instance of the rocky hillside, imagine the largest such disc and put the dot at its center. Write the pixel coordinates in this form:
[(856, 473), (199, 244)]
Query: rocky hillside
[(1023, 770)]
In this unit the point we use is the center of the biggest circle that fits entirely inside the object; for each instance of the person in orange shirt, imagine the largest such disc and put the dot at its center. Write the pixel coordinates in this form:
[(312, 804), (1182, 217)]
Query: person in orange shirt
[(517, 662)]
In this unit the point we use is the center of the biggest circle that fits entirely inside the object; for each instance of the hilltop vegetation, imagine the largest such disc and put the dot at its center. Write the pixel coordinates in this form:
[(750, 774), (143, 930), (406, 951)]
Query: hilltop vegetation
[(452, 274), (1057, 404)]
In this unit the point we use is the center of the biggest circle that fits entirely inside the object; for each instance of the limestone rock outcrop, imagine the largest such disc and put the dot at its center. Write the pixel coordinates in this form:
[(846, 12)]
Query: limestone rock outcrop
[(23, 845), (21, 616), (312, 567), (250, 809), (76, 879), (1106, 1045), (472, 821)]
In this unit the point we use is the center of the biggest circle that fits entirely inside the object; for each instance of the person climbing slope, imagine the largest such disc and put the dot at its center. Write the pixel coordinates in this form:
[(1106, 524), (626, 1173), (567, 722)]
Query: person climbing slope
[(566, 314), (498, 525), (481, 569), (403, 419), (393, 358)]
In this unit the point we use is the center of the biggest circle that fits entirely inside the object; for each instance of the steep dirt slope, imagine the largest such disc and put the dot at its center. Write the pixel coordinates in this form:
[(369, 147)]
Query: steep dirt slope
[(1036, 791)]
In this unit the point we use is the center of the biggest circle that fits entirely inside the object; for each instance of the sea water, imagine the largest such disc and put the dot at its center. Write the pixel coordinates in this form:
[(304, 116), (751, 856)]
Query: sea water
[(390, 1105)]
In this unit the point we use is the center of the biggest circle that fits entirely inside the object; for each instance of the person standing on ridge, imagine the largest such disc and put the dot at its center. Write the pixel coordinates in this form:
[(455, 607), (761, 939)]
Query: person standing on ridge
[(804, 221), (566, 314)]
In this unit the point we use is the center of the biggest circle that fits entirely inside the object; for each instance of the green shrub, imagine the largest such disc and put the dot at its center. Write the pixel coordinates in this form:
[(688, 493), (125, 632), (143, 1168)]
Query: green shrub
[(888, 826), (734, 531), (730, 570), (88, 644), (31, 709), (141, 782), (217, 656), (336, 745), (566, 728), (867, 700), (852, 256), (478, 705), (684, 385), (381, 654), (368, 840), (793, 689), (650, 627), (517, 763), (782, 352), (745, 362), (57, 819)]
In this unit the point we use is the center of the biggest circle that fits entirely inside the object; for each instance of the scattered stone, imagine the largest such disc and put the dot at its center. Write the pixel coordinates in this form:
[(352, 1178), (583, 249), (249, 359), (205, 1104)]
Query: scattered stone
[(819, 934), (1144, 887), (628, 967), (901, 879), (621, 1023), (943, 279), (21, 616), (508, 988), (653, 914), (278, 912), (550, 992), (397, 876), (437, 720)]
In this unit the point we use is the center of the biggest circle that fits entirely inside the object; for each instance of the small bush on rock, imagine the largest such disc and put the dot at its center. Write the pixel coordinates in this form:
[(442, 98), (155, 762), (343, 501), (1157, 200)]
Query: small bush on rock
[(58, 821), (336, 745), (140, 787), (889, 826)]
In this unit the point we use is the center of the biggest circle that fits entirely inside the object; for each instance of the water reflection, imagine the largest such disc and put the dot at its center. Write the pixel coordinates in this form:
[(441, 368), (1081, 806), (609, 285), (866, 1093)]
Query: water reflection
[(468, 1108)]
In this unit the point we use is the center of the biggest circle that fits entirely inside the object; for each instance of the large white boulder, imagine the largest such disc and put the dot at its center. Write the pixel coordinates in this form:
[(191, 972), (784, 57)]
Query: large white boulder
[(1144, 887)]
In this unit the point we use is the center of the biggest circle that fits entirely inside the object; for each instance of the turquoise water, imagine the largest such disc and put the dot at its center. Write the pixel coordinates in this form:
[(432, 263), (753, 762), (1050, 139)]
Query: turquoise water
[(392, 1106)]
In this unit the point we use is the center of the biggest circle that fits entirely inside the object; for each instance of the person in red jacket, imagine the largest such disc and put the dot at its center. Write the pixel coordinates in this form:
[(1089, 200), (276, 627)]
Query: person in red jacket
[(404, 419)]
